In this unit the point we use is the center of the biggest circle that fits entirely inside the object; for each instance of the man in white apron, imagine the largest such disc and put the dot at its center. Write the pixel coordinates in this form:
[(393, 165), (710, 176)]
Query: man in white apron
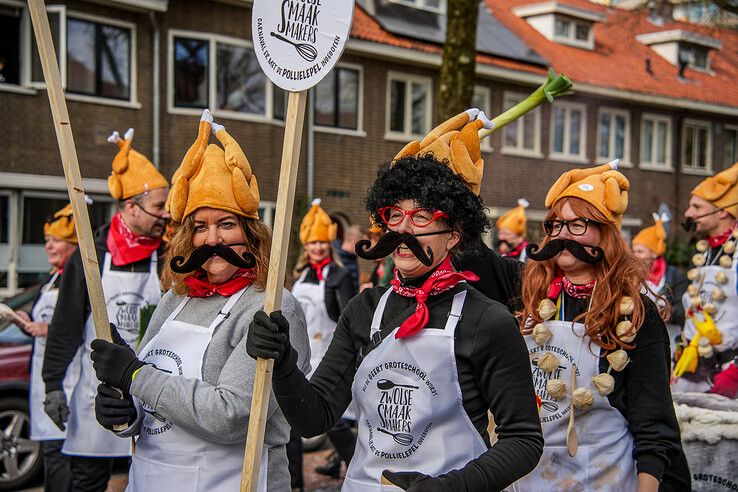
[(511, 229), (128, 250), (710, 338)]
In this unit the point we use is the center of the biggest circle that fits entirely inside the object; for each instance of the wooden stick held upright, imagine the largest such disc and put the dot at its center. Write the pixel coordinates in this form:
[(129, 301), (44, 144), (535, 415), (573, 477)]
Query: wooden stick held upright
[(64, 136), (275, 282)]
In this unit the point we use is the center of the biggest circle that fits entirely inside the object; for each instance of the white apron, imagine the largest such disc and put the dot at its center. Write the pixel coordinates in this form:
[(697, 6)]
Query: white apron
[(42, 427), (604, 461), (168, 457), (726, 317), (125, 294), (410, 408), (320, 326)]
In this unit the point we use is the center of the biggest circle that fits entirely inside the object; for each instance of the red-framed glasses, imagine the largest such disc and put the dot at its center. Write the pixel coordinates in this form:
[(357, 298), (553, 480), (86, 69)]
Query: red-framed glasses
[(419, 217)]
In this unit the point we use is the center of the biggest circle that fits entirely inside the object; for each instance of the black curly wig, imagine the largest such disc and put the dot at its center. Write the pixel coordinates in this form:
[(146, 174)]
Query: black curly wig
[(433, 185)]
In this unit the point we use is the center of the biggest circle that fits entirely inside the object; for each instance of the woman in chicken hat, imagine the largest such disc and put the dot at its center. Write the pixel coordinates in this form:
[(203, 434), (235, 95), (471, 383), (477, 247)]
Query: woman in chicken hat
[(187, 390), (511, 232), (426, 359), (598, 349)]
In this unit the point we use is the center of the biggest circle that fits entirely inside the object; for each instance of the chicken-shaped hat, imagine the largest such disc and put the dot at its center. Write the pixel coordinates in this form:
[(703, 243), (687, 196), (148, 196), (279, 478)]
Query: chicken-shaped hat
[(317, 225), (132, 172), (603, 187), (61, 225), (515, 219), (456, 141), (653, 237), (721, 190), (214, 176)]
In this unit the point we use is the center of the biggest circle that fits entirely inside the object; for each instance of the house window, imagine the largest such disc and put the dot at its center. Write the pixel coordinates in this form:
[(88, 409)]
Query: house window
[(98, 59), (57, 19), (240, 82), (10, 44), (695, 56), (656, 141), (521, 136), (730, 145), (568, 124), (409, 112), (613, 135), (570, 31), (337, 99), (191, 59), (696, 145)]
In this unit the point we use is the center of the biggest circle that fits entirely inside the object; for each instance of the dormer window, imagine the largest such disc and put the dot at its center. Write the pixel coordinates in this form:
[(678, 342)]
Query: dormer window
[(562, 23), (694, 56), (682, 48), (433, 5)]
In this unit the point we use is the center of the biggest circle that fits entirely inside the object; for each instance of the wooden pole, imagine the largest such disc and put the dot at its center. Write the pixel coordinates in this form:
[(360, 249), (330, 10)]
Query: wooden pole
[(72, 174), (275, 283)]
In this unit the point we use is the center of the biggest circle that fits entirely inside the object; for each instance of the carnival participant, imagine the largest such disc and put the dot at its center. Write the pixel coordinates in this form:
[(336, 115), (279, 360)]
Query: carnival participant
[(425, 360), (60, 242), (191, 380), (710, 336), (512, 231), (345, 251), (128, 252), (323, 288), (598, 349), (665, 281)]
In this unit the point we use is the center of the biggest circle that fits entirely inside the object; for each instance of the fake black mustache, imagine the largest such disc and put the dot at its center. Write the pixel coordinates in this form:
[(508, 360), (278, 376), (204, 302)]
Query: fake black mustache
[(203, 253), (500, 242), (390, 241), (556, 246)]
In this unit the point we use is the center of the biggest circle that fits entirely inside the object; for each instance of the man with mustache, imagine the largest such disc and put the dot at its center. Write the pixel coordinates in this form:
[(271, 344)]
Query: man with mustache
[(425, 360), (511, 232), (129, 254), (710, 334)]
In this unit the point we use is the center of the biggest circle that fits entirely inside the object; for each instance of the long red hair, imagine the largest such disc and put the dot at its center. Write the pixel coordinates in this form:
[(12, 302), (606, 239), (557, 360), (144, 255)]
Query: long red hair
[(619, 274)]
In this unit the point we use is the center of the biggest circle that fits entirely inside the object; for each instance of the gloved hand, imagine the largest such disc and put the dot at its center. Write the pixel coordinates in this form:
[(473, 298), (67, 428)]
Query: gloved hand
[(726, 382), (115, 362), (55, 406), (269, 338), (415, 481), (688, 360), (111, 410)]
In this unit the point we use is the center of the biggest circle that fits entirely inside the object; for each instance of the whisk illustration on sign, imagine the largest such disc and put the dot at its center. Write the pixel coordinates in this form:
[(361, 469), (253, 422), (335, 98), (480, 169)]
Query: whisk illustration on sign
[(307, 51)]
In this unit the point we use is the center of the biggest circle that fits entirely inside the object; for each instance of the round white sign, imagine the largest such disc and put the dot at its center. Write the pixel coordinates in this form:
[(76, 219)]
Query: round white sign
[(297, 42)]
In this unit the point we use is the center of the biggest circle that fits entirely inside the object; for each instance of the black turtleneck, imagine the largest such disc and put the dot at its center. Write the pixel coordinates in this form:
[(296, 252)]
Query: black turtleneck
[(492, 370)]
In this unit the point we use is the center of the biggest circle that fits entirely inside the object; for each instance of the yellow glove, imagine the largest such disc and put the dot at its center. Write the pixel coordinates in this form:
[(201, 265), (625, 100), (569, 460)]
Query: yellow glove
[(688, 361), (706, 327)]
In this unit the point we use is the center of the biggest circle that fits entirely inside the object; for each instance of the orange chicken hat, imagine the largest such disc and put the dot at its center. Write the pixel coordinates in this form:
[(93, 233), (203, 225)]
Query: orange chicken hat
[(61, 225), (514, 219), (317, 225), (132, 172), (653, 237), (721, 190)]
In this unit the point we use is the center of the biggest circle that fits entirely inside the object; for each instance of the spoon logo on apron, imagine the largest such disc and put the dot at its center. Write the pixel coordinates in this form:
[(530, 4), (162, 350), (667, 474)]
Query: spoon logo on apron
[(169, 362), (551, 409), (397, 386), (127, 308)]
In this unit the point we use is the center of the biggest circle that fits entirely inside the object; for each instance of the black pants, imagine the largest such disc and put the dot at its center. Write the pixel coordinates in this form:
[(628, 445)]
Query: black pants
[(343, 439), (57, 471), (294, 458), (90, 474)]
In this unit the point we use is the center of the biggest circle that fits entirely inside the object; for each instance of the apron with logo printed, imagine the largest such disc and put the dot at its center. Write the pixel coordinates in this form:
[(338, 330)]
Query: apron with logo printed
[(410, 408), (604, 460), (320, 326), (168, 457), (42, 427), (125, 294)]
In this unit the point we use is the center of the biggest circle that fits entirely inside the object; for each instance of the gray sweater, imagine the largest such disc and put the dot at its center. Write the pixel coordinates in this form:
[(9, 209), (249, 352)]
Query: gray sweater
[(217, 408)]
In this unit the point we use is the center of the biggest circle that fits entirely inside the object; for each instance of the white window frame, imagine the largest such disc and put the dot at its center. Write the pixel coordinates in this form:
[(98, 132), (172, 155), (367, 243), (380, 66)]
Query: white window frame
[(519, 149), (213, 39), (421, 4), (731, 128), (565, 155), (626, 160), (486, 94), (406, 133), (688, 168), (571, 37), (359, 131), (668, 166), (690, 63), (25, 36)]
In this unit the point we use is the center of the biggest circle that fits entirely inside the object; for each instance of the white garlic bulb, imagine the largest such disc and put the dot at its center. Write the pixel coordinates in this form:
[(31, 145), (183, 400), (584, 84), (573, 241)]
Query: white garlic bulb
[(548, 362), (702, 245), (582, 398), (604, 383), (546, 309), (541, 334), (693, 290), (624, 331), (726, 261), (735, 233), (618, 359), (698, 260), (729, 247), (710, 308), (626, 306), (717, 294), (556, 388), (721, 278), (696, 301), (704, 349), (693, 274)]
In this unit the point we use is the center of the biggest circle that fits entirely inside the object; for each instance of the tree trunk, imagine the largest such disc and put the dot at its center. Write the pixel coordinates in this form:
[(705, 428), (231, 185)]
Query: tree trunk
[(456, 81)]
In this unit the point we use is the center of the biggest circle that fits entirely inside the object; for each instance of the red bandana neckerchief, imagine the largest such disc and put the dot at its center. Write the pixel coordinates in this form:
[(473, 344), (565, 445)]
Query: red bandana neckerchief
[(125, 246), (318, 267), (443, 279), (200, 287), (517, 251), (578, 291), (719, 240), (657, 270)]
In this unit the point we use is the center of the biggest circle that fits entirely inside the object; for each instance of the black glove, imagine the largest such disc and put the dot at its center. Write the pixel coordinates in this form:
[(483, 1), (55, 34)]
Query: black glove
[(55, 406), (415, 482), (114, 362), (269, 338), (112, 410)]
